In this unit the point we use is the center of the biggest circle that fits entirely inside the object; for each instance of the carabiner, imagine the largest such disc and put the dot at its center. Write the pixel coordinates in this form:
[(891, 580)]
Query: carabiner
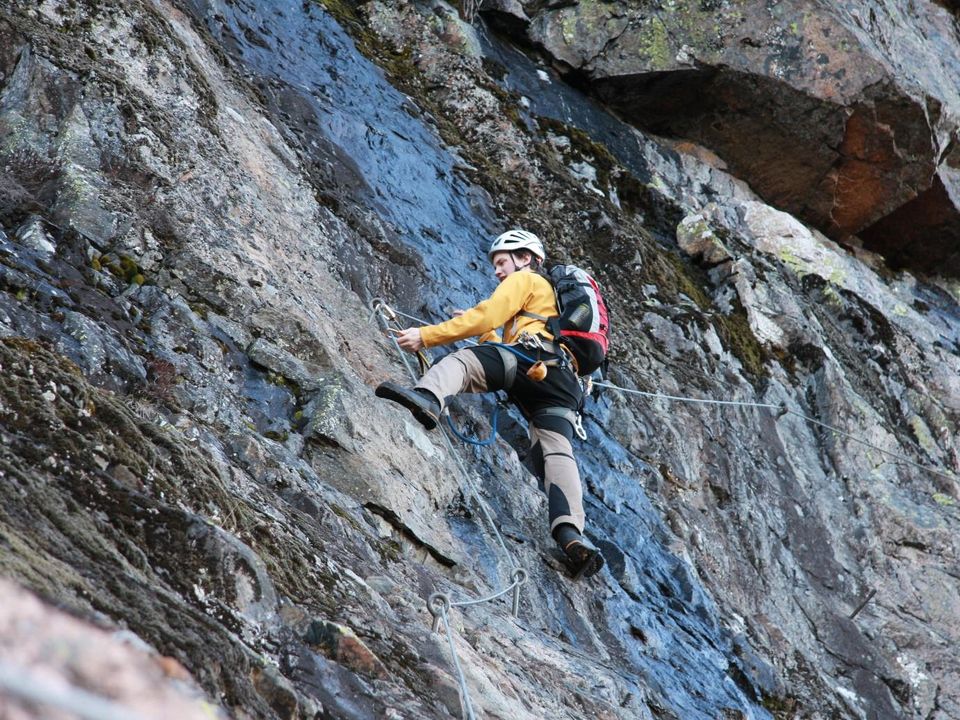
[(578, 427)]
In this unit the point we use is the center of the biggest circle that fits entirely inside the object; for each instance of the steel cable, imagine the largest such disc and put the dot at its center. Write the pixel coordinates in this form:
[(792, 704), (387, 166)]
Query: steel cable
[(465, 702), (519, 575), (783, 410), (742, 403)]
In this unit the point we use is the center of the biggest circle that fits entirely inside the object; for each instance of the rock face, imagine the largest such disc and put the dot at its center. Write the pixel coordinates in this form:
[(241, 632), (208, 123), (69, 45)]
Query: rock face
[(844, 116), (199, 204)]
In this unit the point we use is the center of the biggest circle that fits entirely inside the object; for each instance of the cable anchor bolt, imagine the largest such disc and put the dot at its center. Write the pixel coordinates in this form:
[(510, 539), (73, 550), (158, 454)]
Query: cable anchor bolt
[(519, 578), (380, 306), (438, 604)]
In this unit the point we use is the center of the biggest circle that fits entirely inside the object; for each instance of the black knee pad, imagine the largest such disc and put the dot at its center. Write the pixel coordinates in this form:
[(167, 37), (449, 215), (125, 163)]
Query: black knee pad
[(534, 463)]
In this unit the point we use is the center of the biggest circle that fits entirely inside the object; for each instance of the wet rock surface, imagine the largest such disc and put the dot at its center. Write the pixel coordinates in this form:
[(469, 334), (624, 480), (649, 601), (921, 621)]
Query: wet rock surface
[(200, 203), (844, 116)]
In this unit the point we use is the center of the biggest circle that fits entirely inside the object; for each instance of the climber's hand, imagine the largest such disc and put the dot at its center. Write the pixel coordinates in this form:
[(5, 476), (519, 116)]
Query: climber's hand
[(410, 340)]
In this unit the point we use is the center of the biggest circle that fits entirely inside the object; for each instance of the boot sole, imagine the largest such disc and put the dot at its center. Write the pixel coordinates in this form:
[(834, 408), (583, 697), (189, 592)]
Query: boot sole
[(590, 567), (402, 396)]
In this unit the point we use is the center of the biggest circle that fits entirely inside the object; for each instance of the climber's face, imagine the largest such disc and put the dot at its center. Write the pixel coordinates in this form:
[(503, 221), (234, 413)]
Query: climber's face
[(506, 263)]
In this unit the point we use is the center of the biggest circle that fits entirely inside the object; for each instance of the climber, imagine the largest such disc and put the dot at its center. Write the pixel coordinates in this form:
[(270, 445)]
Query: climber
[(521, 304)]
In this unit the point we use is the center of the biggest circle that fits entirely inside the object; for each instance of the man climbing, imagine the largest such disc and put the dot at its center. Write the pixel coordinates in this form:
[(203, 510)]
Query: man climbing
[(522, 304)]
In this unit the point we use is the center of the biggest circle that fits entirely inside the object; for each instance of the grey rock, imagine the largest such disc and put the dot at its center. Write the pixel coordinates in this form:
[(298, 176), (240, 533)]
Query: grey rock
[(307, 378), (201, 459), (326, 417), (33, 236), (233, 576), (280, 694), (507, 14), (383, 585), (695, 237), (98, 352), (811, 104)]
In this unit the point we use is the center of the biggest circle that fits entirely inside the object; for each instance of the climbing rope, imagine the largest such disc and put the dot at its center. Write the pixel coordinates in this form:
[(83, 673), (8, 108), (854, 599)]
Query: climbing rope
[(472, 441), (439, 603)]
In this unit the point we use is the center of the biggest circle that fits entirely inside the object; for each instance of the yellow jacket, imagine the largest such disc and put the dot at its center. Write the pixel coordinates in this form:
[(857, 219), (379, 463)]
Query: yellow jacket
[(520, 291)]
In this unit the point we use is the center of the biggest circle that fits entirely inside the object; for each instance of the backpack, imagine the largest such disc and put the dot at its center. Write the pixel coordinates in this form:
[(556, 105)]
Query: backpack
[(583, 327)]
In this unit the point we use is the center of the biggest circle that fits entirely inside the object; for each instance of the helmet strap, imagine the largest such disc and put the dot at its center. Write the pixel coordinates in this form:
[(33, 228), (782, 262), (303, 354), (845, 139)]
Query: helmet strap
[(513, 256)]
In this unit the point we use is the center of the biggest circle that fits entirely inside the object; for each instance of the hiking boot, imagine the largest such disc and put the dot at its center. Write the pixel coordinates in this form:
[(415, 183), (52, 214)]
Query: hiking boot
[(424, 406), (582, 561)]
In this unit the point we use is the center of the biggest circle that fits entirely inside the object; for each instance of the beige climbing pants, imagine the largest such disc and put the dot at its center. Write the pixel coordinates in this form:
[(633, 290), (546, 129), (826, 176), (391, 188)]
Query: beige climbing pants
[(481, 369)]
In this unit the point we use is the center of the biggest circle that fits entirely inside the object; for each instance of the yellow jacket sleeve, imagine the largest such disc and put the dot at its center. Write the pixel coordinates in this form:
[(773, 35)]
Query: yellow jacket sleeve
[(519, 291)]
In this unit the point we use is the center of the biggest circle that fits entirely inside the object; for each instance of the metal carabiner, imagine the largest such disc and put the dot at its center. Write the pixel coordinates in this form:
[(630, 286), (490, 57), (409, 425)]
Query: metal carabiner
[(578, 427), (530, 342), (586, 385), (381, 307)]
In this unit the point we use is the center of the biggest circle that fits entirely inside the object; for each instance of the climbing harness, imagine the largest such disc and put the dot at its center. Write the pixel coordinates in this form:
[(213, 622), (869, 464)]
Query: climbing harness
[(509, 361), (563, 357), (509, 354), (571, 416)]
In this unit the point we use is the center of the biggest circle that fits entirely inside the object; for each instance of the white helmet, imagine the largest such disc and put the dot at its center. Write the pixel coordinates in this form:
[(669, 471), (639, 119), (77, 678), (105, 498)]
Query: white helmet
[(513, 240)]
